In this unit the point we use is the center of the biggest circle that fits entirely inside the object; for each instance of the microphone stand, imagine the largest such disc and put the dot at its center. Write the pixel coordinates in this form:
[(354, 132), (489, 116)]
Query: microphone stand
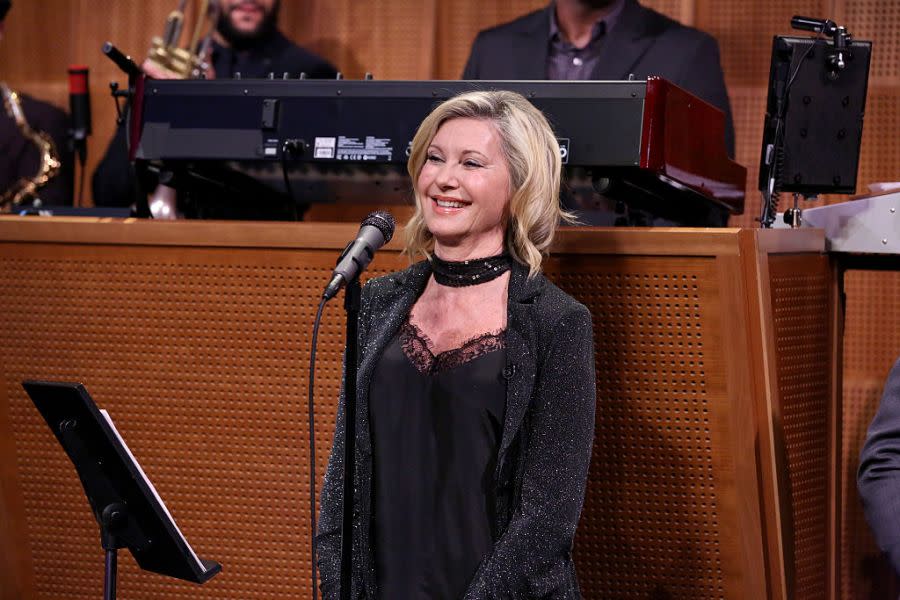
[(351, 306), (376, 230), (125, 117)]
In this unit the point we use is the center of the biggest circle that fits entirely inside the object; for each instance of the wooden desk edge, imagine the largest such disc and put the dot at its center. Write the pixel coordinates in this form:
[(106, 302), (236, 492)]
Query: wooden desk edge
[(659, 241)]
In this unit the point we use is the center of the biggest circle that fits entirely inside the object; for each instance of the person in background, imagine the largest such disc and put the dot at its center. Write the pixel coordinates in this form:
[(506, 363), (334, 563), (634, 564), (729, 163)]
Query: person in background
[(476, 385), (603, 40), (878, 478), (19, 156), (246, 41)]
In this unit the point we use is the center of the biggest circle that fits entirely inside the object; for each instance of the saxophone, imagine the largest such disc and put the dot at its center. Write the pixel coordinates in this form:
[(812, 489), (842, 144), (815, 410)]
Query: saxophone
[(25, 188)]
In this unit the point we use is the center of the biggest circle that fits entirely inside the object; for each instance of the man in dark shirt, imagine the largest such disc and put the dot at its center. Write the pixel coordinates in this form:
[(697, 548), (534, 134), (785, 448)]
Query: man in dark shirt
[(246, 41), (20, 157), (602, 39)]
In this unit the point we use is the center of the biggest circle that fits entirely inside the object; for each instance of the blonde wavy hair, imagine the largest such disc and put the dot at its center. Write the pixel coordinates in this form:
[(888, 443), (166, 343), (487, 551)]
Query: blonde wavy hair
[(533, 157)]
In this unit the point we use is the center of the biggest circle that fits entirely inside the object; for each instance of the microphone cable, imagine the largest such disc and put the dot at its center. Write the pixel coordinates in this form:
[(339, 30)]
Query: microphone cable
[(375, 231), (288, 148), (81, 169), (312, 446)]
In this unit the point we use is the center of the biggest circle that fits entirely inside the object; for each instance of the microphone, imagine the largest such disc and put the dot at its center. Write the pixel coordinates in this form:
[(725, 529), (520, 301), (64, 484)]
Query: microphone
[(80, 109), (128, 66), (825, 26), (375, 231)]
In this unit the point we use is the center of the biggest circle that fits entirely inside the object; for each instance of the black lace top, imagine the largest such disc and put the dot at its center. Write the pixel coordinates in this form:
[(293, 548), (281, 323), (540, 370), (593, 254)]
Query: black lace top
[(436, 423)]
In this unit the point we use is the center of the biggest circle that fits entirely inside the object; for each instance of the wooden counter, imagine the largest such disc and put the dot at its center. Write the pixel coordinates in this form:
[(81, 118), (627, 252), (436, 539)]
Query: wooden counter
[(717, 388)]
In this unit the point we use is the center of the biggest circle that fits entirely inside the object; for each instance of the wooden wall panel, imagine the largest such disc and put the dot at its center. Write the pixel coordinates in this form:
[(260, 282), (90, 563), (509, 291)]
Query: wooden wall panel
[(460, 22), (392, 39), (17, 581), (683, 11), (748, 107), (880, 152), (801, 287), (661, 405), (198, 358), (872, 343), (875, 20), (745, 30)]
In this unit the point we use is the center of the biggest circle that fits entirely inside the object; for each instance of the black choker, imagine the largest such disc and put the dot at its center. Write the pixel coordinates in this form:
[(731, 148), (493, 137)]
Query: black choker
[(469, 272)]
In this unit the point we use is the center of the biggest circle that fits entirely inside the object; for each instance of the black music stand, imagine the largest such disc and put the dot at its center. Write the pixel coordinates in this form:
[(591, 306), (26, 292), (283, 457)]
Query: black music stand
[(129, 511)]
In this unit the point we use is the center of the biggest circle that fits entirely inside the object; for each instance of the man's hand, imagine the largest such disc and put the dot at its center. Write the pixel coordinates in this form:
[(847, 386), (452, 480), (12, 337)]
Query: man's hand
[(154, 71), (151, 69)]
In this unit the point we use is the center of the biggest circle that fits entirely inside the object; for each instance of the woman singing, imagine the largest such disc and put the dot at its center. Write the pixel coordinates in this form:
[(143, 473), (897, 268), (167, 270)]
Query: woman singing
[(476, 378)]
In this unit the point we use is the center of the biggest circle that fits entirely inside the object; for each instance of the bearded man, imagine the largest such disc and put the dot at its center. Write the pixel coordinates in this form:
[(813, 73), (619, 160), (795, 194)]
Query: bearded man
[(247, 41)]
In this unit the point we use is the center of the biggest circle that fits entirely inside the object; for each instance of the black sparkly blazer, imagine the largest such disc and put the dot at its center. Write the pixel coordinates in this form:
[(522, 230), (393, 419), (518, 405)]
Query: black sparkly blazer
[(545, 446)]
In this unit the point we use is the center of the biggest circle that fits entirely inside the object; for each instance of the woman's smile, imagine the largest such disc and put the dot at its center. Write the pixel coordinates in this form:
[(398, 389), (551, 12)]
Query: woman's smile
[(448, 205)]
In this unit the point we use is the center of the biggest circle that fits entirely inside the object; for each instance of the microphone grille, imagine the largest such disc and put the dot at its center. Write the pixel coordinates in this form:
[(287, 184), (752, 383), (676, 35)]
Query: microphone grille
[(383, 221)]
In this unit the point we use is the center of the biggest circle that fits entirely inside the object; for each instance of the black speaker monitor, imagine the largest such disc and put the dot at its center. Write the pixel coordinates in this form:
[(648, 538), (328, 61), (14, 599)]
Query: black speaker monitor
[(814, 112)]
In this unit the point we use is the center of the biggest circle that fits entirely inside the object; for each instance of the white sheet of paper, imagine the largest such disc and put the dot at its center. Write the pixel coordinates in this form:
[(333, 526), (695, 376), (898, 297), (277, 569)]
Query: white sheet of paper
[(152, 489)]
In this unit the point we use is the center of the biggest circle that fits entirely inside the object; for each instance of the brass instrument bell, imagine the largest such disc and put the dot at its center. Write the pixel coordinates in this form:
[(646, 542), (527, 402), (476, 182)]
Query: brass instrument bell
[(190, 62)]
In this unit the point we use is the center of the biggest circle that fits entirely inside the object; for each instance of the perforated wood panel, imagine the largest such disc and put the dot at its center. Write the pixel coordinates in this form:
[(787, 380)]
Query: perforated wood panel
[(392, 39), (459, 23), (880, 154), (652, 522), (745, 30), (680, 10), (872, 322), (748, 108), (202, 363), (801, 288), (874, 20)]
